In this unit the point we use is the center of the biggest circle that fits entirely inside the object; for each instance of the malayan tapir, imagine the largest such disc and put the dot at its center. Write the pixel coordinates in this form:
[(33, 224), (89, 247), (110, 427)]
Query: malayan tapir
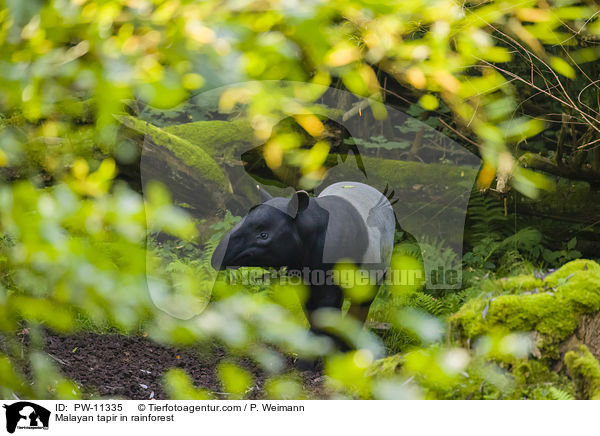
[(348, 221)]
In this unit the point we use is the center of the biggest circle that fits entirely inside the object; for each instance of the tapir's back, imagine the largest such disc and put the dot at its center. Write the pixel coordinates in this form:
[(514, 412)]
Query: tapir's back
[(376, 213)]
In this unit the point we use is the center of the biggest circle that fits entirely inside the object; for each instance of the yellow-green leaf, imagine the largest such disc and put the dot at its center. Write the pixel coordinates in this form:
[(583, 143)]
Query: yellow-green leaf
[(562, 67)]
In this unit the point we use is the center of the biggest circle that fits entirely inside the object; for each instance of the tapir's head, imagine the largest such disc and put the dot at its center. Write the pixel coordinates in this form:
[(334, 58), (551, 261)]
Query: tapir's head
[(266, 237)]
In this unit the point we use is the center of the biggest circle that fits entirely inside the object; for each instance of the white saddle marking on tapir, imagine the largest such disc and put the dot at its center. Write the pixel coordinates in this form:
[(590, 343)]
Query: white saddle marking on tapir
[(378, 216)]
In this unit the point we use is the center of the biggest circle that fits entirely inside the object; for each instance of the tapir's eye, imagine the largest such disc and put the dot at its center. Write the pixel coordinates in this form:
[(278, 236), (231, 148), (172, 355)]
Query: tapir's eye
[(263, 235)]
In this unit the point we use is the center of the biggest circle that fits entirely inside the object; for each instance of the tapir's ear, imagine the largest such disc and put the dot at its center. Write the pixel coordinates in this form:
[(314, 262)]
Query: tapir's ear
[(262, 194), (298, 203)]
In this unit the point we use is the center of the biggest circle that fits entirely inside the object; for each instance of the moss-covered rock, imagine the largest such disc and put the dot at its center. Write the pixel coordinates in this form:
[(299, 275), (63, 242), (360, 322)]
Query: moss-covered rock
[(585, 372), (551, 307), (188, 153), (217, 138), (568, 270)]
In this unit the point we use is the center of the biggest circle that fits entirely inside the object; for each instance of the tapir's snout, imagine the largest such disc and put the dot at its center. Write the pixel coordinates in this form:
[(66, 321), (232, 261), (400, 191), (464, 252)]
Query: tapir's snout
[(218, 260), (232, 253), (222, 256)]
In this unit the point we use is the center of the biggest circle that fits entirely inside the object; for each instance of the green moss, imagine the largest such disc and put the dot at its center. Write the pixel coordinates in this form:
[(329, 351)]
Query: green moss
[(570, 269), (533, 372), (553, 311), (583, 293), (520, 283), (409, 176), (535, 380), (585, 372), (387, 366), (217, 138), (190, 155)]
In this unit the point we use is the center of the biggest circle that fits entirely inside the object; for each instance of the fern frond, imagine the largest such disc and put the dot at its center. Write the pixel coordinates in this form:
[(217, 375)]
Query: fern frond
[(485, 218), (427, 303), (559, 394)]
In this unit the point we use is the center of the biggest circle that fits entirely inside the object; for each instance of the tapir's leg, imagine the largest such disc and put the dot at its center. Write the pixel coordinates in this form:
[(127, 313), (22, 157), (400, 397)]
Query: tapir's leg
[(321, 297), (360, 311), (324, 296)]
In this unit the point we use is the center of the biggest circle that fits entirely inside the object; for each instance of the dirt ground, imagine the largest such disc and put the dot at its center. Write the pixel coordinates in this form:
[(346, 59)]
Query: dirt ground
[(113, 365)]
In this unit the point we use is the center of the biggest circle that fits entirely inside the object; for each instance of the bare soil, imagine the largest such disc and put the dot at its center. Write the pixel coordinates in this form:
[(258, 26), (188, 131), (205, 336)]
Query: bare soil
[(113, 365)]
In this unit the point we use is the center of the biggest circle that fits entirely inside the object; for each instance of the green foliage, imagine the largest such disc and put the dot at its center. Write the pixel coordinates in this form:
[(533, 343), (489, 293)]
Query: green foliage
[(486, 217), (69, 250), (380, 142), (557, 394), (181, 271), (180, 387), (427, 303), (284, 388), (526, 243), (499, 249), (235, 380)]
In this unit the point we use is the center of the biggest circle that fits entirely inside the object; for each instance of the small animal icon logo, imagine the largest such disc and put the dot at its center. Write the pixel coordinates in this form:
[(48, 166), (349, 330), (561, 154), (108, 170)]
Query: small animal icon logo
[(26, 415)]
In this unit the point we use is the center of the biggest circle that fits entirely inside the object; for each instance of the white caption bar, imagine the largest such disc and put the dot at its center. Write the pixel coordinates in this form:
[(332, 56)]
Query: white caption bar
[(283, 418)]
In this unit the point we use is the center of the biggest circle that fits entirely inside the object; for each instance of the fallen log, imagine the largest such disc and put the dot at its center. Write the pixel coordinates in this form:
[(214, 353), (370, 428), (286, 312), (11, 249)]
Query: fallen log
[(537, 162)]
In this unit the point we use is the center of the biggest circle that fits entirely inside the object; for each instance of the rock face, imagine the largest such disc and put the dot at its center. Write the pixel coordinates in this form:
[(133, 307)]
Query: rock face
[(560, 310), (587, 333)]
